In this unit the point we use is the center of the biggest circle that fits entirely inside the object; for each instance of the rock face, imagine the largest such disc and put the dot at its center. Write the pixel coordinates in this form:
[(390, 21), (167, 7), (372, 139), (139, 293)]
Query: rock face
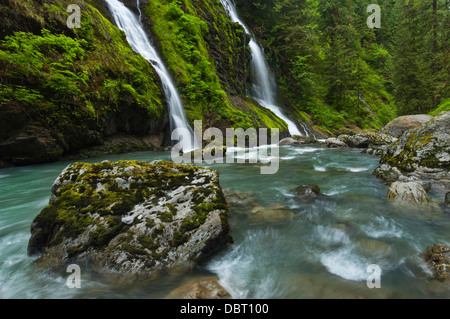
[(408, 193), (437, 257), (131, 217), (334, 142), (423, 152), (399, 125)]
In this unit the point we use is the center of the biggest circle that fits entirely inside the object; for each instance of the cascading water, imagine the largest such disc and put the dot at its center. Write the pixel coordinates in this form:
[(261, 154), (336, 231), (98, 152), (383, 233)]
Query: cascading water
[(140, 43), (263, 89)]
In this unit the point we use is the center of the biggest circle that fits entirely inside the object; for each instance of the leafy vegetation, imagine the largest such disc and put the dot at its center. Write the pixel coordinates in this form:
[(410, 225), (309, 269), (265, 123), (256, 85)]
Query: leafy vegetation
[(66, 80), (331, 65), (332, 70)]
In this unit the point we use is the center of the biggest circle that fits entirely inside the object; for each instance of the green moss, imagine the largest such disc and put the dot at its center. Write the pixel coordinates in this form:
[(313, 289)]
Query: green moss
[(81, 206), (165, 217), (182, 37), (147, 243), (72, 79), (103, 234)]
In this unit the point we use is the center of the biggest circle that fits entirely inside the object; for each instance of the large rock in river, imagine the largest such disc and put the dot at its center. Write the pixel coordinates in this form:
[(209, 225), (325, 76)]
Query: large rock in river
[(399, 125), (423, 152), (131, 217)]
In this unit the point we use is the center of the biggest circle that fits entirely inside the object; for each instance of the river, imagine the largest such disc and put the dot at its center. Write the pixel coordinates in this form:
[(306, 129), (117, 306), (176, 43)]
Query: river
[(322, 250)]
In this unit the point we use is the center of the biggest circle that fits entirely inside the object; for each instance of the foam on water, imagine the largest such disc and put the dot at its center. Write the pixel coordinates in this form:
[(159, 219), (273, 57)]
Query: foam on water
[(344, 263)]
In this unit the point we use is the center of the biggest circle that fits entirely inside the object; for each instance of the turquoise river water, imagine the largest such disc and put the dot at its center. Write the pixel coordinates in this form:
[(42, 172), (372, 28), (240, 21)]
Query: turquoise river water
[(322, 251)]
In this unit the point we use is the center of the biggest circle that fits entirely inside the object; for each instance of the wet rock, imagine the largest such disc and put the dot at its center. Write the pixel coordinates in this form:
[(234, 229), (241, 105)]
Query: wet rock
[(399, 125), (437, 257), (374, 143), (423, 152), (297, 140), (287, 141), (131, 217), (334, 142), (203, 288), (408, 193), (308, 191), (273, 213), (239, 199), (358, 141), (302, 140), (374, 248)]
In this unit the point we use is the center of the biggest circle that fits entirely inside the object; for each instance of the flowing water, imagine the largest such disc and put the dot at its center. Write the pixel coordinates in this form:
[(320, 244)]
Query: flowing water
[(321, 250), (127, 21), (263, 88)]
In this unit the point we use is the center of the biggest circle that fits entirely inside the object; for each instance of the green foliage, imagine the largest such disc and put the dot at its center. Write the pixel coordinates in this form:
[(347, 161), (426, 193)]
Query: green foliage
[(443, 107), (75, 81), (182, 37), (421, 67), (331, 65)]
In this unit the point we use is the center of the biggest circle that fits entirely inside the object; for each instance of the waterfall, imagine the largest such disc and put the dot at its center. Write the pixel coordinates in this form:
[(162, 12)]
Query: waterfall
[(127, 21), (263, 86)]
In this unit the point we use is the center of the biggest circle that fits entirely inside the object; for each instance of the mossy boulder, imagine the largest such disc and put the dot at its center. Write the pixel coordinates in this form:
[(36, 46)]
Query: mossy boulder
[(399, 125), (422, 151), (131, 217)]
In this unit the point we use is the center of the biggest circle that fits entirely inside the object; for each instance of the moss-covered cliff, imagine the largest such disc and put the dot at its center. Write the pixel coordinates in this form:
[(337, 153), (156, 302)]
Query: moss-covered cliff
[(209, 57), (64, 89)]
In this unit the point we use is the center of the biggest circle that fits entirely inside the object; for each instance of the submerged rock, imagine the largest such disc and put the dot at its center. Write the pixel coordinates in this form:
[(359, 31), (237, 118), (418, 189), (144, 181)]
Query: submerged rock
[(273, 213), (447, 202), (131, 217), (308, 191), (239, 199), (437, 257), (334, 142)]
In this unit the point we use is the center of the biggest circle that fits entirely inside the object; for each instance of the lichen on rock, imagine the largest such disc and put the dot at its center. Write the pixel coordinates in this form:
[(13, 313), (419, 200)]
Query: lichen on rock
[(421, 153), (131, 217)]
